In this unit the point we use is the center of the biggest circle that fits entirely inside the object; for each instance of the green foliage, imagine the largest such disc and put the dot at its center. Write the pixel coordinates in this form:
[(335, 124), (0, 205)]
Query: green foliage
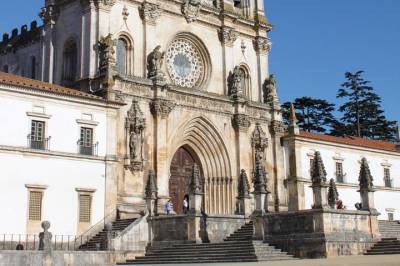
[(362, 114), (313, 115)]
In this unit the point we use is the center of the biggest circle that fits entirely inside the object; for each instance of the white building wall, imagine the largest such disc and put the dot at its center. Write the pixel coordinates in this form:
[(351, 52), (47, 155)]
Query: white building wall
[(385, 198), (61, 169)]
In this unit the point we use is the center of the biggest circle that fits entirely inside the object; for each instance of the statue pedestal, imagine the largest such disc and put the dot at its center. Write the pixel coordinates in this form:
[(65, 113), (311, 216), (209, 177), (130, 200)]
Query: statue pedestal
[(320, 194), (194, 228), (243, 206), (367, 200)]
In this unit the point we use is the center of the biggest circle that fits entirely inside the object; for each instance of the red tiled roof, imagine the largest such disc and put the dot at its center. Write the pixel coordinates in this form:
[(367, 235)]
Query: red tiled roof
[(14, 80), (353, 141)]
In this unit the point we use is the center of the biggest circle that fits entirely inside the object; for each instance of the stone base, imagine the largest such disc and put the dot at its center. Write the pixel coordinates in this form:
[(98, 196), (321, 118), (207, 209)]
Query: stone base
[(322, 233)]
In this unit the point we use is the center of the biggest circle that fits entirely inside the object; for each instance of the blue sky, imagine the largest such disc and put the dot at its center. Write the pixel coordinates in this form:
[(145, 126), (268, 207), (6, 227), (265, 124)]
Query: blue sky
[(314, 43)]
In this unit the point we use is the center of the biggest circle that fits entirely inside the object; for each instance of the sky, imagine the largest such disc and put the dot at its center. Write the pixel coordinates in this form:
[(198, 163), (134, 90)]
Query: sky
[(314, 43)]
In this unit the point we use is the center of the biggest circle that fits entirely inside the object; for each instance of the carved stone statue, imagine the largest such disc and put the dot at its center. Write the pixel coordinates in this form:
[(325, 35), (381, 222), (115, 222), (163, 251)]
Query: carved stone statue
[(270, 94), (190, 9), (155, 61), (45, 237), (136, 143), (135, 125), (235, 83)]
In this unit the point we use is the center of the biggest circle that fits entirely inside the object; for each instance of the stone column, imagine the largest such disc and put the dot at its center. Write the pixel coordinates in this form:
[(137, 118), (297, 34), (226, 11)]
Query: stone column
[(160, 108), (319, 185), (49, 15), (366, 187), (196, 194), (151, 193), (260, 193)]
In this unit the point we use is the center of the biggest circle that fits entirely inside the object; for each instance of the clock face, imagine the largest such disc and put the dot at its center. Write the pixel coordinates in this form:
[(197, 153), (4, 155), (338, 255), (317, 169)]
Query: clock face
[(184, 63)]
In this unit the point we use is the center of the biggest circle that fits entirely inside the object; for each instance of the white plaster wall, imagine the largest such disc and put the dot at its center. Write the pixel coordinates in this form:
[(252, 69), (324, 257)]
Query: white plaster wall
[(60, 202), (351, 156), (62, 126)]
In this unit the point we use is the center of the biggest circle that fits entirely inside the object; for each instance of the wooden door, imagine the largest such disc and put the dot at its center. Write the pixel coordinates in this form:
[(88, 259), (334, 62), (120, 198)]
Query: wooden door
[(181, 170)]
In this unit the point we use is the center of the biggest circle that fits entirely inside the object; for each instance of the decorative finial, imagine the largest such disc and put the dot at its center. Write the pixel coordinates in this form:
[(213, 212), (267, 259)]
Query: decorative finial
[(333, 194), (195, 186), (365, 178), (318, 172)]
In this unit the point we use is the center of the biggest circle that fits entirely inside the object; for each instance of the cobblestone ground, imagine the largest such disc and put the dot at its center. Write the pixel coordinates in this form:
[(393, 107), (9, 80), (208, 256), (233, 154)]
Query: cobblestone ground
[(386, 260)]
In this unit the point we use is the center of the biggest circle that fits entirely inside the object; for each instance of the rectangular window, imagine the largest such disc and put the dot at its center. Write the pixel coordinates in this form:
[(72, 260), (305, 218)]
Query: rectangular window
[(390, 216), (37, 136), (386, 175), (86, 141), (339, 172), (85, 208), (35, 205)]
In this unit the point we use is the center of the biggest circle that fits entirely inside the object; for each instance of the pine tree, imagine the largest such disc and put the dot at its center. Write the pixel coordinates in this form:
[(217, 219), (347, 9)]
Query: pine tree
[(362, 112), (314, 115)]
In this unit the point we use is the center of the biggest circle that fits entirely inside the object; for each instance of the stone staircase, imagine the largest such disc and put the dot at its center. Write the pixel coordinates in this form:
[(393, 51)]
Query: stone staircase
[(389, 229), (98, 242), (389, 243), (238, 247), (385, 246)]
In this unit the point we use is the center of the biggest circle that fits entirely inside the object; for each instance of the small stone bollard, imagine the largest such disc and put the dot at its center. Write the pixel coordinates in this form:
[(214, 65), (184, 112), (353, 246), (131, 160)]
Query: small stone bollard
[(109, 235), (45, 237)]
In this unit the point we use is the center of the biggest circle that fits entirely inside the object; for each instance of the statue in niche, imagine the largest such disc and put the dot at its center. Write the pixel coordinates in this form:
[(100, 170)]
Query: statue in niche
[(155, 61), (136, 143), (235, 82), (135, 124)]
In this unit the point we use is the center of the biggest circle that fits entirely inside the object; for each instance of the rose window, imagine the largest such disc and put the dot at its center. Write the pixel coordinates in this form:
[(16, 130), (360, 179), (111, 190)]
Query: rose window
[(184, 63)]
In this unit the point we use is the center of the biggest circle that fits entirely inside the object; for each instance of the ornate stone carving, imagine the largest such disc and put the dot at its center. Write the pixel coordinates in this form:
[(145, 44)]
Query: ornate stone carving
[(99, 3), (333, 194), (107, 53), (191, 9), (260, 178), (49, 14), (196, 186), (259, 142), (125, 13), (243, 185), (241, 122), (270, 94), (161, 107), (185, 64), (45, 237), (135, 124), (365, 178), (318, 172), (278, 128), (151, 186), (149, 12), (155, 61), (262, 45), (227, 35), (235, 83)]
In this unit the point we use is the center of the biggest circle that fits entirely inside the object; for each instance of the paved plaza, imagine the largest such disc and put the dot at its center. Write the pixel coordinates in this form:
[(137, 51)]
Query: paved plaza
[(385, 260)]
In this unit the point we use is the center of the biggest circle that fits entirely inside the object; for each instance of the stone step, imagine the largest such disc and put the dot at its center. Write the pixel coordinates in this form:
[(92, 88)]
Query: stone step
[(222, 248), (382, 252), (214, 251)]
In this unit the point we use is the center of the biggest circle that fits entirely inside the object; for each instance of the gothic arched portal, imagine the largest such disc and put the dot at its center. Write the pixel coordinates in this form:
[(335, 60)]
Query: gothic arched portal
[(180, 171)]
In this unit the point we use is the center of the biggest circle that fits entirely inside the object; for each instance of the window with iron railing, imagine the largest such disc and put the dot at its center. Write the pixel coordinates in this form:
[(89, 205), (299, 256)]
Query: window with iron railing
[(37, 139), (339, 172), (386, 177), (85, 143)]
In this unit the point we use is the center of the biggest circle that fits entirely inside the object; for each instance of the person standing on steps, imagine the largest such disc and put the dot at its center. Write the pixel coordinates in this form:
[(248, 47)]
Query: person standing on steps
[(168, 207), (185, 204)]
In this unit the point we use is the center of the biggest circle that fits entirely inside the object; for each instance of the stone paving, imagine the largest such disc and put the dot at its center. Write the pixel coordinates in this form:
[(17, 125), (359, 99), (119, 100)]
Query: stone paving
[(384, 260)]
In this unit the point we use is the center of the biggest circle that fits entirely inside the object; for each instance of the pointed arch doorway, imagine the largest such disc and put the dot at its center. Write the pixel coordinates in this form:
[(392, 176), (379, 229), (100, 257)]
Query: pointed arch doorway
[(180, 171)]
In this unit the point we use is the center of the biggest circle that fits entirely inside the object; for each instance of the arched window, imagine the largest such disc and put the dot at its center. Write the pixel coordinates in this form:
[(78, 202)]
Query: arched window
[(124, 55), (70, 62), (33, 67), (245, 81), (5, 68), (122, 52)]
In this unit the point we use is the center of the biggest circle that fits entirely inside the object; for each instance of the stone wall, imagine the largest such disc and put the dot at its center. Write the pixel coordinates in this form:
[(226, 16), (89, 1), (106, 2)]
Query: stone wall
[(59, 258), (322, 233), (174, 229)]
